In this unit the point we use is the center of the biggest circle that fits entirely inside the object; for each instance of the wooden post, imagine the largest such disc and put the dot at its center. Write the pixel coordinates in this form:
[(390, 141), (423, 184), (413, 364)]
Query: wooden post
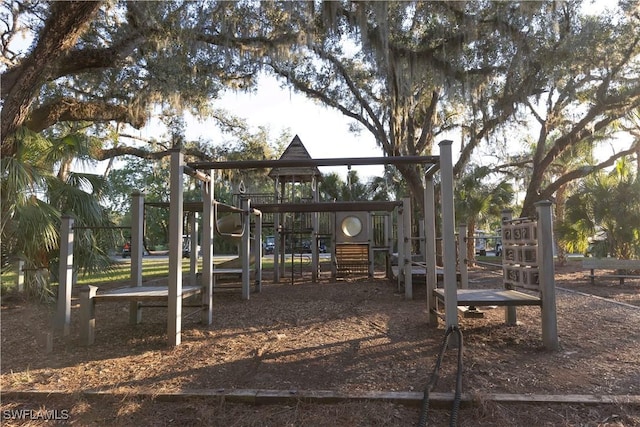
[(407, 243), (193, 248), (207, 249), (334, 226), (448, 237), (422, 241), (65, 275), (276, 235), (510, 311), (315, 253), (463, 261), (88, 314), (245, 248), (400, 232), (370, 239), (388, 241), (282, 236), (547, 275), (430, 247), (258, 252), (137, 250), (20, 276), (176, 211)]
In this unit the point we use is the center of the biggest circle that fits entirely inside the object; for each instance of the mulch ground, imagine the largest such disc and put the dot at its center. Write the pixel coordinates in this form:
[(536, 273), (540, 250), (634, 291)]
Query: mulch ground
[(347, 336)]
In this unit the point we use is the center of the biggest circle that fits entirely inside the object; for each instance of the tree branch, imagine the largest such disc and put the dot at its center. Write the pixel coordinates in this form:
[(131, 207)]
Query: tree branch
[(67, 21), (71, 110), (586, 170)]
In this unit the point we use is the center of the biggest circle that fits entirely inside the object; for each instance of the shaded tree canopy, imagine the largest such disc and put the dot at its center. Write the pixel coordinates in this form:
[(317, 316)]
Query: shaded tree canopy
[(410, 72), (407, 72), (115, 62)]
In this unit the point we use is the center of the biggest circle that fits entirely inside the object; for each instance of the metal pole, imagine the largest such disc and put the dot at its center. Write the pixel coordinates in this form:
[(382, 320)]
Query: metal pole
[(176, 210)]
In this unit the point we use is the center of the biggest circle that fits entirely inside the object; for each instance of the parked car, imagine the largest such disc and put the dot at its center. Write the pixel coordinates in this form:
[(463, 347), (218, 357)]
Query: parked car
[(306, 247), (126, 250), (186, 247), (269, 245)]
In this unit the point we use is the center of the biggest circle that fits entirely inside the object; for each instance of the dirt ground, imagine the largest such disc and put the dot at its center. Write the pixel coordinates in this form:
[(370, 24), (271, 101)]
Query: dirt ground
[(347, 336)]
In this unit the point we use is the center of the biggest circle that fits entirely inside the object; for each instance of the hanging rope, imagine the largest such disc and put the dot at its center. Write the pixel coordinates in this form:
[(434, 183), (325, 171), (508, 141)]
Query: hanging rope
[(424, 412)]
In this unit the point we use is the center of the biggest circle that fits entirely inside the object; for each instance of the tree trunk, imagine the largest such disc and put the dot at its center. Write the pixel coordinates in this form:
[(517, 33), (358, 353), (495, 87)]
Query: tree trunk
[(62, 29), (561, 198), (414, 181)]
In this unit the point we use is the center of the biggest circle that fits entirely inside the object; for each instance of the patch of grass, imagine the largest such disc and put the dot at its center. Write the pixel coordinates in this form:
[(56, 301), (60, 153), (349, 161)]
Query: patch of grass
[(489, 258), (151, 269), (8, 281)]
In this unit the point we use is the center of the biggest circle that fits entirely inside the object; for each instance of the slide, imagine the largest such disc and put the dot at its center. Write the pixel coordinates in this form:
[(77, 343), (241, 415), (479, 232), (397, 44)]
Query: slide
[(230, 224)]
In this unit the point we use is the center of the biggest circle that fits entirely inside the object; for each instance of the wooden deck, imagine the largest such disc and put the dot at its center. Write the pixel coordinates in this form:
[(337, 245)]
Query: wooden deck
[(419, 271), (483, 297), (144, 293)]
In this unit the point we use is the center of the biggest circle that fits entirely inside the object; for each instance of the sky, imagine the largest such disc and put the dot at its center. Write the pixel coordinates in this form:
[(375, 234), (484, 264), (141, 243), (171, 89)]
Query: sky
[(323, 131)]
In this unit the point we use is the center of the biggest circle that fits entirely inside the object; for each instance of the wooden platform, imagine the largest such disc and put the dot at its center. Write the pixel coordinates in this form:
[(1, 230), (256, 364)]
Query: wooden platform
[(483, 297), (221, 271), (136, 296), (144, 293), (419, 271)]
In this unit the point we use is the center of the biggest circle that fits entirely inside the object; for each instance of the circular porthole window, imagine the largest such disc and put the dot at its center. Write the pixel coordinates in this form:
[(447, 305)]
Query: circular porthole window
[(351, 226)]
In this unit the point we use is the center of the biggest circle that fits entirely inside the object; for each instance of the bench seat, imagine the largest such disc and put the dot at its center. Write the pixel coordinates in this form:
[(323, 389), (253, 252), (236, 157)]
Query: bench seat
[(623, 268), (135, 295), (352, 258)]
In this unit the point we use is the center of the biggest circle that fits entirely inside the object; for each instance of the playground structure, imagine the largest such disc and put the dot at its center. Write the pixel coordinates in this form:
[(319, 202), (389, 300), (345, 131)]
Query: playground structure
[(527, 264), (351, 250)]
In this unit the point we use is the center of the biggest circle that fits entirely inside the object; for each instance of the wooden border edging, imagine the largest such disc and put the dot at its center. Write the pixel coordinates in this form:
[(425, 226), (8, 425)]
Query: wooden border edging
[(279, 397)]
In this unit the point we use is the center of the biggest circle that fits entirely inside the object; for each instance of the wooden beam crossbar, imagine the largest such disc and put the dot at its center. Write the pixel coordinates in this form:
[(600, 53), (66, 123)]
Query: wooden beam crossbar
[(328, 207), (279, 397), (289, 163), (369, 206)]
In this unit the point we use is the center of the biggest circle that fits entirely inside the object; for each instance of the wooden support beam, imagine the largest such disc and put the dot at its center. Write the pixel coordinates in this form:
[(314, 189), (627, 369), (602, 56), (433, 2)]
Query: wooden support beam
[(293, 163), (293, 397)]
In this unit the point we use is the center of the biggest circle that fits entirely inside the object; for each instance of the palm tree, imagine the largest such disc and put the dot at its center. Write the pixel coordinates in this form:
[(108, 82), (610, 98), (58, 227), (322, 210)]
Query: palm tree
[(606, 203), (38, 187), (477, 200)]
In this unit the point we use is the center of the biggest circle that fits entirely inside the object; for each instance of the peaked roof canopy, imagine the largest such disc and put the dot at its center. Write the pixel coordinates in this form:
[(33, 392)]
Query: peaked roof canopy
[(295, 151)]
